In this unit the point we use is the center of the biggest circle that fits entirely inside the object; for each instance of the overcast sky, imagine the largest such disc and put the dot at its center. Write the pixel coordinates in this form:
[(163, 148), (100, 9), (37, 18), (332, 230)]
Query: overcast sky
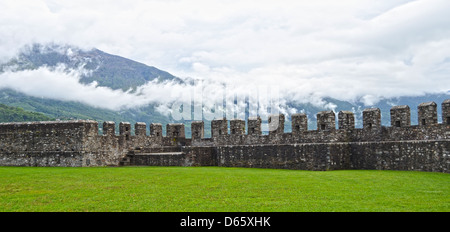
[(355, 50)]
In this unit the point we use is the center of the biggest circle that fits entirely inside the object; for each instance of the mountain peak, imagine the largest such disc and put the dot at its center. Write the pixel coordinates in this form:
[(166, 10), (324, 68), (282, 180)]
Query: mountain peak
[(106, 69)]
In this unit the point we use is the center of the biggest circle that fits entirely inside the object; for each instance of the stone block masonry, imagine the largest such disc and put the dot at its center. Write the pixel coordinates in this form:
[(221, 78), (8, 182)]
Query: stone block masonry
[(198, 130), (346, 120), (140, 129), (299, 123), (254, 126), (175, 130), (446, 112), (219, 127), (326, 120), (237, 127), (60, 143), (402, 146), (427, 113), (400, 116), (372, 119)]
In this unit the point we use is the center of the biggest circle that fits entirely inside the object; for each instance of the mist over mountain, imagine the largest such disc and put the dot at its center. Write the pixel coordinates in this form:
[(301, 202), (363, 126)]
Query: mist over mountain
[(66, 82), (105, 69)]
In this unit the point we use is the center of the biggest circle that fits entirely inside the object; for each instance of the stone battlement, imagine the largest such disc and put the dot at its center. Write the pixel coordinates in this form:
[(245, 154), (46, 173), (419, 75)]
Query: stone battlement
[(78, 143)]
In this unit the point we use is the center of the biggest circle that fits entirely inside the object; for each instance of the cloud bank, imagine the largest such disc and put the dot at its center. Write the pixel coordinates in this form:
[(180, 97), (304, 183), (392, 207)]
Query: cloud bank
[(349, 50)]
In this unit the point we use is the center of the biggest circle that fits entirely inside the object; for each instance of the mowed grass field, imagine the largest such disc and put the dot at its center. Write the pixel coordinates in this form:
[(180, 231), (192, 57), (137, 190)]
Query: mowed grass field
[(220, 189)]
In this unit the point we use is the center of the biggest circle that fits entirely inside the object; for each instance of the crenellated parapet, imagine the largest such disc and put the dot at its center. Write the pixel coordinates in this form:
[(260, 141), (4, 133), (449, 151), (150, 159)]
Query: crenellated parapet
[(78, 143), (326, 126), (329, 128)]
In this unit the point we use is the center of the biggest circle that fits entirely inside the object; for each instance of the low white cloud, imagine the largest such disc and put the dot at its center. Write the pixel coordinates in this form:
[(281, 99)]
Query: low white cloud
[(57, 83)]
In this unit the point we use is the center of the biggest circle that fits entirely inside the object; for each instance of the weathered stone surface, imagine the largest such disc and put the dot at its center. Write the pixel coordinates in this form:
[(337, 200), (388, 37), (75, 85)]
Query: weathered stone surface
[(125, 130), (276, 124), (175, 130), (427, 114), (372, 119), (198, 130), (60, 143), (320, 157), (140, 129), (299, 123), (109, 128), (430, 156), (446, 112), (254, 126), (237, 127), (219, 127), (400, 116), (156, 129), (346, 120), (326, 120)]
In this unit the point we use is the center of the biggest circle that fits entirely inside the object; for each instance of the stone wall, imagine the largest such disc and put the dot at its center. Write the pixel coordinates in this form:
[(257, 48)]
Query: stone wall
[(57, 143), (431, 156), (314, 156), (174, 156), (401, 146)]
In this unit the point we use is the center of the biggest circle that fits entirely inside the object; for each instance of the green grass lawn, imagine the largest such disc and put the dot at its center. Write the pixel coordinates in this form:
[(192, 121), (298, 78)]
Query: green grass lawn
[(218, 189)]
